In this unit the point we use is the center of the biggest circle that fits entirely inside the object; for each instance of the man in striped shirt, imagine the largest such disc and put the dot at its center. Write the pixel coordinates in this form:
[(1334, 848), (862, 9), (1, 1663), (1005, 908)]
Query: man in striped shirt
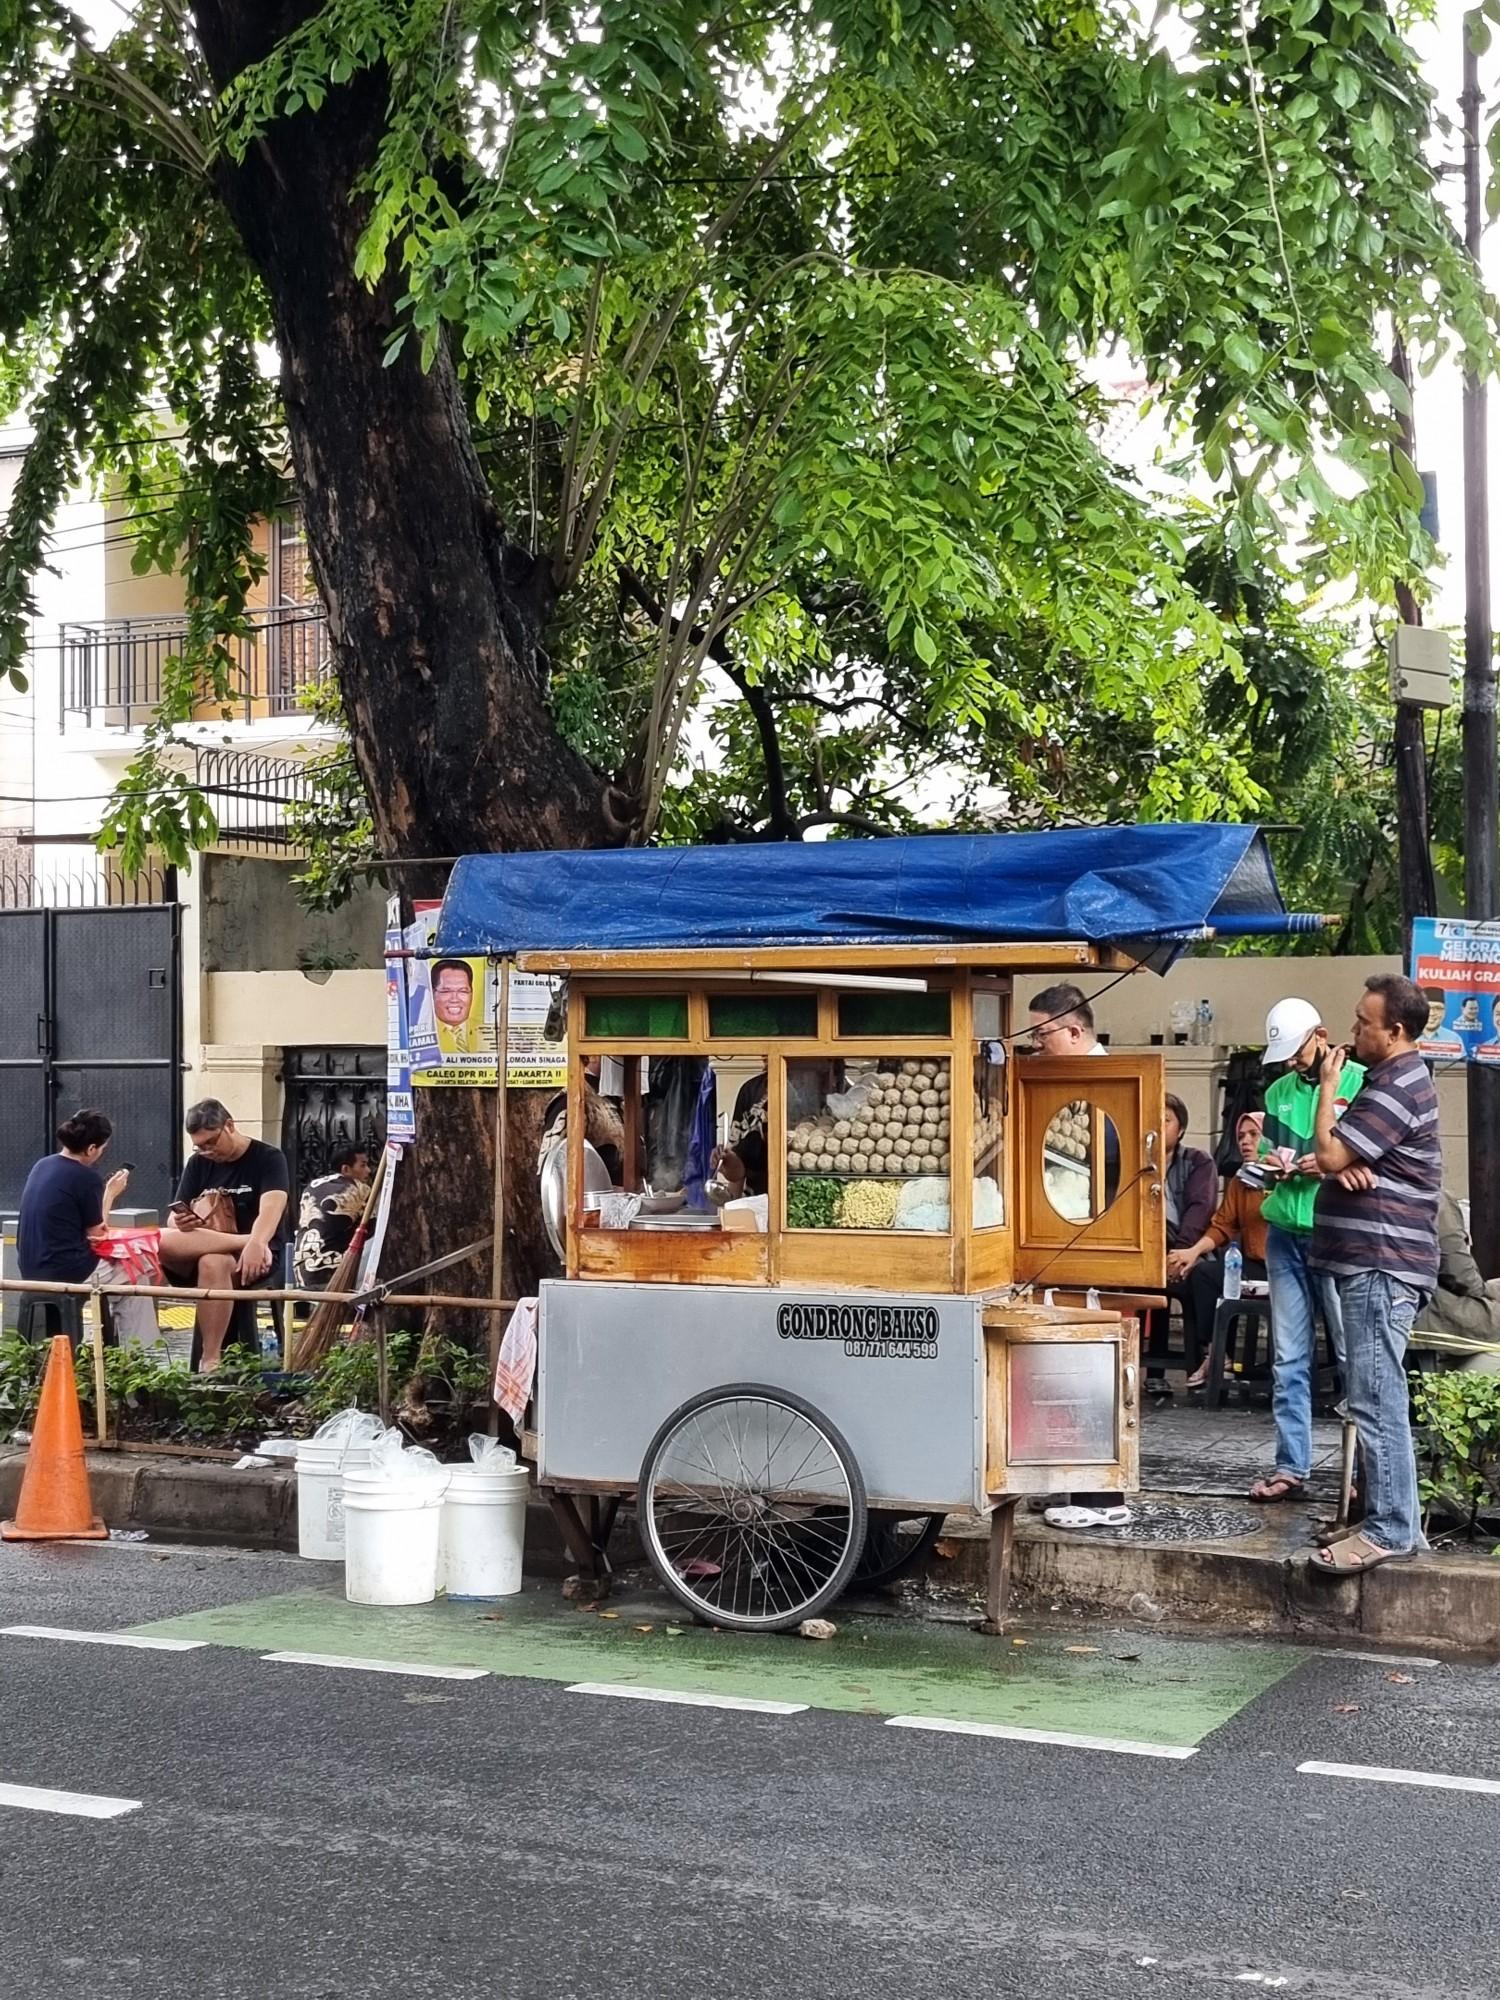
[(1375, 1231)]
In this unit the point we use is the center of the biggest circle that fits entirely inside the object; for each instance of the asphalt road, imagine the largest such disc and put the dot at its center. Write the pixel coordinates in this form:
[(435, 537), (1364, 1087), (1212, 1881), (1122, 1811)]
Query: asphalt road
[(313, 1832)]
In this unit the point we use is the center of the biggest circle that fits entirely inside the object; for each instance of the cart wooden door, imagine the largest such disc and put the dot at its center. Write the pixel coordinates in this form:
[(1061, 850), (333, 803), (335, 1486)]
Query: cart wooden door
[(1089, 1158)]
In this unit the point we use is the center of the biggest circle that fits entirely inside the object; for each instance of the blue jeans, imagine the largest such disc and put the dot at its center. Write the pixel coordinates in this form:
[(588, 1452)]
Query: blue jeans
[(1298, 1295), (1378, 1312)]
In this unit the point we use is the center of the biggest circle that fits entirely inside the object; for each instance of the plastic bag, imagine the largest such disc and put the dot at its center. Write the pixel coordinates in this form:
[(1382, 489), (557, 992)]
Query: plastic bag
[(393, 1458), (489, 1452), (671, 1107), (854, 1102), (137, 1252), (351, 1428)]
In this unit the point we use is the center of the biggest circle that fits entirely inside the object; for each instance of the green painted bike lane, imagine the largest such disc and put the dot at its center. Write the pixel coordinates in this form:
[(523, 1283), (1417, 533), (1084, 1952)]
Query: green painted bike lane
[(1090, 1681)]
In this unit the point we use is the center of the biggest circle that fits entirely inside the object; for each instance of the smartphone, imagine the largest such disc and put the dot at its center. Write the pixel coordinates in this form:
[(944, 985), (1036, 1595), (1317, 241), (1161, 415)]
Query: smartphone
[(126, 1167)]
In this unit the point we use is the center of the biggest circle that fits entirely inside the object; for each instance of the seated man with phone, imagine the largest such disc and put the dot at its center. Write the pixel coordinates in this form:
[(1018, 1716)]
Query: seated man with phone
[(228, 1224)]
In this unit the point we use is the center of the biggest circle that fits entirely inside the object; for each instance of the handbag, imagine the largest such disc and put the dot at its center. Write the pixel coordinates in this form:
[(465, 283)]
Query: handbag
[(213, 1209)]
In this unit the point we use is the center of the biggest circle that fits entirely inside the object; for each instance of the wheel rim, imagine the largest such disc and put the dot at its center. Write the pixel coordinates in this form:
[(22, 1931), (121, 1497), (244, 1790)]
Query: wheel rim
[(750, 1511)]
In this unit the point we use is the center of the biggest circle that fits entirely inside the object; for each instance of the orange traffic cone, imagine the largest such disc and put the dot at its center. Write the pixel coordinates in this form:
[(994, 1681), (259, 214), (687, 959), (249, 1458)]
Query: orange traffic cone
[(55, 1504)]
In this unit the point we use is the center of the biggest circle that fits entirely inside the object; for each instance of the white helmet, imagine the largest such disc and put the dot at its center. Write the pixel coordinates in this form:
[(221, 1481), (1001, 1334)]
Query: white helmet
[(1288, 1026)]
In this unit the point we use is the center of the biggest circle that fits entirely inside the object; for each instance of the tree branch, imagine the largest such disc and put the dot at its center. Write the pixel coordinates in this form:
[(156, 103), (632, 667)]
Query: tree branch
[(779, 812)]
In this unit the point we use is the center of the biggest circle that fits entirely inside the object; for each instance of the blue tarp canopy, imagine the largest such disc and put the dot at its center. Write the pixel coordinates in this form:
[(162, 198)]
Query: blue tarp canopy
[(1092, 885)]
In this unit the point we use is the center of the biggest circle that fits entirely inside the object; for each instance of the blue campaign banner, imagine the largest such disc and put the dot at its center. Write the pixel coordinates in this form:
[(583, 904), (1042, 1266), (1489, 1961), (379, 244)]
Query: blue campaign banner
[(400, 1112), (1456, 962)]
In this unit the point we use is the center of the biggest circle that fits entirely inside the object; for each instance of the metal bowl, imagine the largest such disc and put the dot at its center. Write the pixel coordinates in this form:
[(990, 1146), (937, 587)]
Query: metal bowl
[(554, 1179)]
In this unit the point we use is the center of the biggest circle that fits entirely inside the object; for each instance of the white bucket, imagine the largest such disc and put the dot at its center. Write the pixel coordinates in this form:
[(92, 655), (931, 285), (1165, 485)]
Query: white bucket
[(321, 1465), (484, 1531), (391, 1537)]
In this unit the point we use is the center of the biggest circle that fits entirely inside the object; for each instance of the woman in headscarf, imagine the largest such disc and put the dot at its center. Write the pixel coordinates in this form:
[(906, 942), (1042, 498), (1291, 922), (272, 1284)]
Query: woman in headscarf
[(1198, 1267)]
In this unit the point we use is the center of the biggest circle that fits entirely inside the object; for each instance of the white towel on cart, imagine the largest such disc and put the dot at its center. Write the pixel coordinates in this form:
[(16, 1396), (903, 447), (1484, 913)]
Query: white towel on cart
[(517, 1364)]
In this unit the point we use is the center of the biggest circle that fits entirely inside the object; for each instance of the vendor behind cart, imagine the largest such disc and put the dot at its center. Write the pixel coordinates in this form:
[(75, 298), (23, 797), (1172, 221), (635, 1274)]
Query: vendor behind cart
[(742, 1166)]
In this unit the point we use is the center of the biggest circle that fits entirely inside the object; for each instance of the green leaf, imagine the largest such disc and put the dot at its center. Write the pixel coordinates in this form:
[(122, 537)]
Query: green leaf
[(1244, 352), (628, 142)]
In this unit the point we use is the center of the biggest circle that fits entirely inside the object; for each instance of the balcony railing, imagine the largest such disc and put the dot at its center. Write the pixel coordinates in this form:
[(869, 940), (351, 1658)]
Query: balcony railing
[(113, 671)]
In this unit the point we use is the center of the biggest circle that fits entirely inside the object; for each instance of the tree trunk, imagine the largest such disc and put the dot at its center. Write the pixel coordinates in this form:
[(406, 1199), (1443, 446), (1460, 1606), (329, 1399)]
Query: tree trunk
[(437, 621)]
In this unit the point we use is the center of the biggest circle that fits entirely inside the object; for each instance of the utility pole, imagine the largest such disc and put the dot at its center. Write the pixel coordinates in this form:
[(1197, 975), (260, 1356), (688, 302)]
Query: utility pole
[(1413, 827), (1481, 768)]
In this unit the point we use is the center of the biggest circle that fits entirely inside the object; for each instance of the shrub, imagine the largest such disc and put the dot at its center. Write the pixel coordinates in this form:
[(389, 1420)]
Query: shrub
[(1457, 1438)]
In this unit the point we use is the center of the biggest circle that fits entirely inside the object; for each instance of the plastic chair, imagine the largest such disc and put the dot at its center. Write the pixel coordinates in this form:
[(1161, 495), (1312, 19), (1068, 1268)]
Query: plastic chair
[(65, 1308), (1255, 1312)]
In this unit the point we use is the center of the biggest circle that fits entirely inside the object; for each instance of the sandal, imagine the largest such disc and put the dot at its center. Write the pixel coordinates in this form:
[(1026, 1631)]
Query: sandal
[(1280, 1486), (1353, 1556)]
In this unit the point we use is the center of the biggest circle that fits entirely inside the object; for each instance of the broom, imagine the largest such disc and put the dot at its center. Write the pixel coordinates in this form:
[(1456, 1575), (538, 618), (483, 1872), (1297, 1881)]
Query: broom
[(326, 1318)]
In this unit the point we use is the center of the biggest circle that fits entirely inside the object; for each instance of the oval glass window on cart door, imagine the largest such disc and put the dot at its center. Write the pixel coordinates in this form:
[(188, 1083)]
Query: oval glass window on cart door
[(1080, 1161)]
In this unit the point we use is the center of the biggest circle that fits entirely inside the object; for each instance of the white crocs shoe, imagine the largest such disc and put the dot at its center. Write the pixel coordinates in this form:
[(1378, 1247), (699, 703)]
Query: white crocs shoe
[(1087, 1517)]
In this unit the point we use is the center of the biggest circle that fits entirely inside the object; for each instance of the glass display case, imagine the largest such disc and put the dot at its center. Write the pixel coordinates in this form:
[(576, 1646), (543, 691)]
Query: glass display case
[(872, 1130)]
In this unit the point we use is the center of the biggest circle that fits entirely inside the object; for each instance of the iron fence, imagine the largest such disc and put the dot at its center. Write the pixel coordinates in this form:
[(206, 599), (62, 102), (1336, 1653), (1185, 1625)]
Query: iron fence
[(31, 880), (114, 671)]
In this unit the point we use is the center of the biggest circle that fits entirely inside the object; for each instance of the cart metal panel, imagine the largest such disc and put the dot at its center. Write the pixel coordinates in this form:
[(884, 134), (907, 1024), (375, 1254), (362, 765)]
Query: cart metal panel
[(902, 1378)]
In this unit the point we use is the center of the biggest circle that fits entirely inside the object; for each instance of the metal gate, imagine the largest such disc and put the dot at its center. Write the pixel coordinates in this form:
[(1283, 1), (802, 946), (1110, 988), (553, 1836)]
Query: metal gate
[(331, 1098), (92, 1015)]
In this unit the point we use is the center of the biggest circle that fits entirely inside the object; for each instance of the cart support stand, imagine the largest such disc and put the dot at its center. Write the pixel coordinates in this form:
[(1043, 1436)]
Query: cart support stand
[(1002, 1546), (587, 1541)]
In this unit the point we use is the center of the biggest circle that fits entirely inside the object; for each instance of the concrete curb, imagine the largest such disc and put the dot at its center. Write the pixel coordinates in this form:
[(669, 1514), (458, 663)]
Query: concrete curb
[(207, 1500), (1255, 1584)]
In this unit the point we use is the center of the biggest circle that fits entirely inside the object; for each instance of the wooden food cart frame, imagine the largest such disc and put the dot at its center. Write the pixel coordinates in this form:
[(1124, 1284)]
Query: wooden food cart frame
[(961, 915), (1122, 1245)]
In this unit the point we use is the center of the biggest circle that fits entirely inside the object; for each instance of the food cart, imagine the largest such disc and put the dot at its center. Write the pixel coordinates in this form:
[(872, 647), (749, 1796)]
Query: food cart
[(898, 1323)]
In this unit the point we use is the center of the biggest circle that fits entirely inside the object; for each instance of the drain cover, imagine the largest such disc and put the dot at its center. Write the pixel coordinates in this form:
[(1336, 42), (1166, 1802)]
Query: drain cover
[(1163, 1521)]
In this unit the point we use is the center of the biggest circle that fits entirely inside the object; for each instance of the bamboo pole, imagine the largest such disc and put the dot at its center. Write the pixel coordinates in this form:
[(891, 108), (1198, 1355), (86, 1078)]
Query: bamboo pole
[(96, 1339), (376, 1317), (497, 1281), (191, 1294)]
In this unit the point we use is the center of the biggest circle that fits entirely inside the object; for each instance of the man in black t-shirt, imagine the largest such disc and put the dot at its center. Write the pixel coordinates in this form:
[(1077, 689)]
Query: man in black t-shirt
[(254, 1176)]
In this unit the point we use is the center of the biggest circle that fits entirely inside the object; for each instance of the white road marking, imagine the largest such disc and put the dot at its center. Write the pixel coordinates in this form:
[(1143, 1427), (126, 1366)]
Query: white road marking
[(144, 1641), (688, 1700), (83, 1805), (1380, 1774), (1122, 1745), (378, 1666), (1382, 1659)]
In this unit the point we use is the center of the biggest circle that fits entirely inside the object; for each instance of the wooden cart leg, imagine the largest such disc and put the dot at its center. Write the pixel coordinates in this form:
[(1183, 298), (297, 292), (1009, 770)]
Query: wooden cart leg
[(1002, 1543), (586, 1546)]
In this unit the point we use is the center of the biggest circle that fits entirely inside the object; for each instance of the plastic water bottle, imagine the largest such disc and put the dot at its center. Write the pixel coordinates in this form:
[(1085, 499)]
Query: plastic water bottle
[(1234, 1271), (1092, 1299), (1203, 1028)]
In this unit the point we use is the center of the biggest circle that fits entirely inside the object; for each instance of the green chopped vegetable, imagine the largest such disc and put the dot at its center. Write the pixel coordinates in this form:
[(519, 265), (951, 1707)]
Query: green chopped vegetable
[(812, 1203)]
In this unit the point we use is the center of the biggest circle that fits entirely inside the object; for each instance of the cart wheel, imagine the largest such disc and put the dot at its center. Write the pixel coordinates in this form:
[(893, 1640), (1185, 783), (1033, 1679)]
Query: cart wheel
[(751, 1508), (894, 1544)]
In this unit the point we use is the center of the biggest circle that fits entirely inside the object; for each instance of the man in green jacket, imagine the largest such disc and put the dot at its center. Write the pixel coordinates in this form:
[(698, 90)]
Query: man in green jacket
[(1295, 1035)]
